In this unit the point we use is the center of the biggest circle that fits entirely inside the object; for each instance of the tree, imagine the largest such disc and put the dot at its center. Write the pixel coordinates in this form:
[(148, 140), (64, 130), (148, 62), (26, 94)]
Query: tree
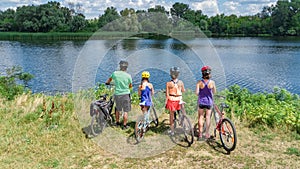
[(7, 22), (179, 9), (158, 8), (110, 14), (78, 23), (127, 12)]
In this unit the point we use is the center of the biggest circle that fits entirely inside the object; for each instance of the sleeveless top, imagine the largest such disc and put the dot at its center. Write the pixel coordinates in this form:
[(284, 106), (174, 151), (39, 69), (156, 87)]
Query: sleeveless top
[(175, 90), (146, 97), (205, 95)]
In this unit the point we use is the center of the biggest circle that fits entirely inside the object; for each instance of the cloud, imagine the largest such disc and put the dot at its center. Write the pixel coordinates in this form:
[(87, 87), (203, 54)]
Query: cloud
[(243, 7), (208, 7), (94, 8)]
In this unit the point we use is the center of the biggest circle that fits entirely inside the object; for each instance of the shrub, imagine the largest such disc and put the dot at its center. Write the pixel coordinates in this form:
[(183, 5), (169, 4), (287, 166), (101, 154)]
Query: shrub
[(279, 108), (14, 82)]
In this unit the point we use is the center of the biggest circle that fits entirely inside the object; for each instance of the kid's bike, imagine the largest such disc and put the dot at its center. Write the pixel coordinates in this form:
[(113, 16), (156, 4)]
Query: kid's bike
[(142, 126)]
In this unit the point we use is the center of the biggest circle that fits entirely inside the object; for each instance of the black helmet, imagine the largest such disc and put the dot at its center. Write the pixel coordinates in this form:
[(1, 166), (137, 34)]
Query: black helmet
[(123, 64), (174, 72)]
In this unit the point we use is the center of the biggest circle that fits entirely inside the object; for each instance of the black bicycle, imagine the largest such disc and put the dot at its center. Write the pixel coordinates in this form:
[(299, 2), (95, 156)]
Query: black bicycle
[(183, 123), (101, 113), (141, 126)]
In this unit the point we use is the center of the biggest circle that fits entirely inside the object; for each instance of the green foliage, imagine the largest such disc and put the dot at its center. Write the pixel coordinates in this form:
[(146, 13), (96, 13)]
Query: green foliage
[(9, 86), (280, 108), (282, 19), (293, 151)]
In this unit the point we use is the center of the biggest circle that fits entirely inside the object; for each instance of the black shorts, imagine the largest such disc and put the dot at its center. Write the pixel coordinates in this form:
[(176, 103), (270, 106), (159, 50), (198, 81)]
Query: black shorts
[(201, 106)]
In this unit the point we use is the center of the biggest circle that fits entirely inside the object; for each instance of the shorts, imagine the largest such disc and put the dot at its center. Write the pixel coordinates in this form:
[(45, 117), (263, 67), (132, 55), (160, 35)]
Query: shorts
[(123, 103), (201, 106), (173, 105)]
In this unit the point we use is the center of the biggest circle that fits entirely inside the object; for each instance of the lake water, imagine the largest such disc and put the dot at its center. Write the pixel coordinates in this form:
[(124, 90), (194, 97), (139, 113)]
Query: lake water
[(258, 64)]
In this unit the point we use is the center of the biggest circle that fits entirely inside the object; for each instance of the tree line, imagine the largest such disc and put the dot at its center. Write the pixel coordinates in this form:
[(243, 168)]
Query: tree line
[(281, 19)]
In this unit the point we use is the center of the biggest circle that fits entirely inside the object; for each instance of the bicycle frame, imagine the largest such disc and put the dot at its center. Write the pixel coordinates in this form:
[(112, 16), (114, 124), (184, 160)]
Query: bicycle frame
[(220, 114)]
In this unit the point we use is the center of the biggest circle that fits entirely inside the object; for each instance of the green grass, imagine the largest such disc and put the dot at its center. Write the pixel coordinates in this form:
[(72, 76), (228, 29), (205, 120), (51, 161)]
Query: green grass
[(31, 138)]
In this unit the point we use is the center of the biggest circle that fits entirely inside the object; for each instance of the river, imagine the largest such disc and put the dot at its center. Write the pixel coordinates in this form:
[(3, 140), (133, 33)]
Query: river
[(258, 64)]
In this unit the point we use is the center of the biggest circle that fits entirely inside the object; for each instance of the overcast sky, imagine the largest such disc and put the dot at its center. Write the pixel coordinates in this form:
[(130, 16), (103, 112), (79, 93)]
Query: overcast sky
[(93, 8)]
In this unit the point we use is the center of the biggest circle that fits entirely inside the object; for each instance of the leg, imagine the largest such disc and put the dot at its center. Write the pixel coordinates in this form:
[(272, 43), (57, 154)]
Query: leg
[(117, 117), (172, 121), (207, 118), (125, 118), (200, 121), (146, 112)]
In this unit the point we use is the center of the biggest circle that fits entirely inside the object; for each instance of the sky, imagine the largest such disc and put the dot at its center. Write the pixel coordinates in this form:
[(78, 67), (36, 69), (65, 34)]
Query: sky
[(94, 8)]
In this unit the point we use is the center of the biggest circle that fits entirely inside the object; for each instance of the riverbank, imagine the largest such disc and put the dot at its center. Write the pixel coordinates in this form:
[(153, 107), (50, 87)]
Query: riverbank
[(15, 36), (31, 138)]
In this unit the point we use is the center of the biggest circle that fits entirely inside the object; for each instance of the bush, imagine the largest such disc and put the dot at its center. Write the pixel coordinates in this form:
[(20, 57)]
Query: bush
[(279, 108), (10, 83)]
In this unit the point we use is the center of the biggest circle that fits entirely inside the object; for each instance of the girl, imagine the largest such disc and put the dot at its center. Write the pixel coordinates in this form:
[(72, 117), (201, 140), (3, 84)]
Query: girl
[(205, 89), (146, 91)]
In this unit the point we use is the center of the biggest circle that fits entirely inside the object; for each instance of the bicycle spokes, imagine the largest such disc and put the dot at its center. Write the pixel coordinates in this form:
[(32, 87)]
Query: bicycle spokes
[(228, 135)]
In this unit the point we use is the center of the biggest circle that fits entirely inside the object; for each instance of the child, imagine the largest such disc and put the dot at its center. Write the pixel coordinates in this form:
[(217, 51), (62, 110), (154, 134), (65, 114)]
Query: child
[(205, 89), (146, 91), (174, 89)]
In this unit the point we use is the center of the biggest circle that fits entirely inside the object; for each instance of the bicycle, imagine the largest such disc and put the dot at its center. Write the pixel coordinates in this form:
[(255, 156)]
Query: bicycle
[(184, 122), (101, 113), (224, 126), (142, 126)]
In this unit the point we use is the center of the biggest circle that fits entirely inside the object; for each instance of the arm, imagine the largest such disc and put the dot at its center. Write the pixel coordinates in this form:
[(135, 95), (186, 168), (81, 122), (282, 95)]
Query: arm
[(182, 87), (197, 89), (139, 91), (108, 81), (214, 89), (152, 90), (167, 91)]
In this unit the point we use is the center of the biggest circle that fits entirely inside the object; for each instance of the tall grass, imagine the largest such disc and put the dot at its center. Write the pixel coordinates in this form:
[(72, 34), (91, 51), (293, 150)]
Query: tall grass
[(39, 131)]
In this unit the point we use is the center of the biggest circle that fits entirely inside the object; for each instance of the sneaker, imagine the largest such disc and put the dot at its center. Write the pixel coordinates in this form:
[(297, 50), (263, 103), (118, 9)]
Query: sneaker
[(124, 127), (171, 133), (118, 124), (200, 139)]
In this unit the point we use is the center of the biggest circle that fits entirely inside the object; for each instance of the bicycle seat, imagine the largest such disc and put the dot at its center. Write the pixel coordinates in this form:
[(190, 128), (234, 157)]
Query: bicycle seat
[(181, 102), (224, 105), (100, 103), (103, 97)]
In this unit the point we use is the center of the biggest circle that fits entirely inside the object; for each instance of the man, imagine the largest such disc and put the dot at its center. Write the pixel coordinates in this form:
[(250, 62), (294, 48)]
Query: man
[(123, 86)]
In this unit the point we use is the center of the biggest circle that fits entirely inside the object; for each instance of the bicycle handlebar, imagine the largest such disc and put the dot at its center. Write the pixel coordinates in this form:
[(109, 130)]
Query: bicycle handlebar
[(220, 96)]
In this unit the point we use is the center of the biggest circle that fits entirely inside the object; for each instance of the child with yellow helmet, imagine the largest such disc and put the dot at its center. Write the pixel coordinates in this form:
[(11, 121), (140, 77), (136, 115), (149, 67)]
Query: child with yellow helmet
[(145, 92)]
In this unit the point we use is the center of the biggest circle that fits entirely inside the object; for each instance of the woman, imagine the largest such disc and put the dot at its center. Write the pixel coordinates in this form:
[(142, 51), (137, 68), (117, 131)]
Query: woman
[(205, 89)]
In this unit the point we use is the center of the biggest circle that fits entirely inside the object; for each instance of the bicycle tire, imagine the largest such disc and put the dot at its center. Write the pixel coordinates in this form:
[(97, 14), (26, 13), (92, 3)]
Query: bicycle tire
[(97, 124), (154, 116), (188, 129), (228, 135), (139, 129)]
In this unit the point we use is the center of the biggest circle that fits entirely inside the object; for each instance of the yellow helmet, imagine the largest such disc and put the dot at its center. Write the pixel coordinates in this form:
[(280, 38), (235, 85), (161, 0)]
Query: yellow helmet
[(145, 74)]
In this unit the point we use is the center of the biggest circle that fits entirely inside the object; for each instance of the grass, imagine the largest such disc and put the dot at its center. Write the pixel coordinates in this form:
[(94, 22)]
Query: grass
[(31, 138)]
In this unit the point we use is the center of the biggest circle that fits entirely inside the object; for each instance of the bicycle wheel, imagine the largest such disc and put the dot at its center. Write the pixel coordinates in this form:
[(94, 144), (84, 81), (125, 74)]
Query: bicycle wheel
[(188, 129), (227, 135), (139, 129), (154, 116), (97, 123)]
